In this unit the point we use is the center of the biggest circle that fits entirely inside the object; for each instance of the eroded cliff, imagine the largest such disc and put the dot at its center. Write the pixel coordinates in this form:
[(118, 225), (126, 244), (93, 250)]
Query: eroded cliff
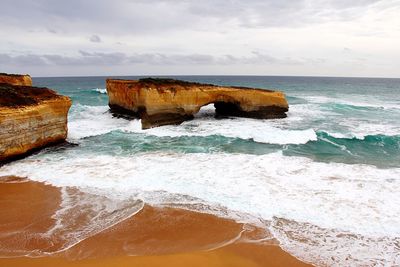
[(30, 118), (165, 101), (16, 79)]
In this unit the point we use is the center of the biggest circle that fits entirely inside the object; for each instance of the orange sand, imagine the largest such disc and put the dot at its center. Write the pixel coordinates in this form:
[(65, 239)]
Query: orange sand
[(157, 236)]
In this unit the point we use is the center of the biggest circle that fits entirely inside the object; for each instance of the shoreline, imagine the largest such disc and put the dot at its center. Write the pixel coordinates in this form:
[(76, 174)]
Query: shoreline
[(155, 235)]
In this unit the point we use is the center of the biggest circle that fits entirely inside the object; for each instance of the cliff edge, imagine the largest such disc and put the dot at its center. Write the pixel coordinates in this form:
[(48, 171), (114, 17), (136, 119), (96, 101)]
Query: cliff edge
[(166, 101), (16, 79)]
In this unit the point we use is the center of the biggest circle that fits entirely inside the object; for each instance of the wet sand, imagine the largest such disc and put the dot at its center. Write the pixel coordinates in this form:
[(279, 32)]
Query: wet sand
[(154, 236)]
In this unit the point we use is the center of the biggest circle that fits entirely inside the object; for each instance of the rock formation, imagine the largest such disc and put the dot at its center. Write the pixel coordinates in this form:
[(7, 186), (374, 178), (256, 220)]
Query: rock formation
[(16, 79), (165, 101), (30, 118)]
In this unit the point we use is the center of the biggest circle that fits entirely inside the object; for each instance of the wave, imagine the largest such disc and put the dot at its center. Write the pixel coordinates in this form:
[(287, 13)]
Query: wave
[(101, 213), (365, 103), (378, 150), (86, 121), (378, 139), (332, 247), (262, 131), (100, 90), (353, 128), (317, 211), (330, 195), (78, 217), (257, 131), (342, 120)]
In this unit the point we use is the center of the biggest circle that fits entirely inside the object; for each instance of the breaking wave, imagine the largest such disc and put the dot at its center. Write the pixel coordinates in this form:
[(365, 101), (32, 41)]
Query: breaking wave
[(100, 90)]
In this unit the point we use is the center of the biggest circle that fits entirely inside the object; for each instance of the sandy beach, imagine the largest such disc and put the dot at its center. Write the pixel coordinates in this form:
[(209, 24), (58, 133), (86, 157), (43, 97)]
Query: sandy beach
[(153, 236)]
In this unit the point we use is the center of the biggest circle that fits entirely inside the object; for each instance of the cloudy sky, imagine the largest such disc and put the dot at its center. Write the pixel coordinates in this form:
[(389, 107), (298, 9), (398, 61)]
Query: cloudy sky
[(230, 37)]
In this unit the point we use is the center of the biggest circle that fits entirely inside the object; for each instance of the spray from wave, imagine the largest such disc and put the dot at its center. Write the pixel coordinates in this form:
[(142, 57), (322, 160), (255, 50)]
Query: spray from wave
[(100, 90)]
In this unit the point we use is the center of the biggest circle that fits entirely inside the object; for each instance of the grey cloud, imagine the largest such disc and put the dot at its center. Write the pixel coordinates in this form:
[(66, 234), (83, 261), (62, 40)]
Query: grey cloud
[(112, 59), (52, 31), (102, 58), (127, 16), (22, 60), (101, 16), (95, 38), (289, 13), (5, 58), (258, 58), (344, 4)]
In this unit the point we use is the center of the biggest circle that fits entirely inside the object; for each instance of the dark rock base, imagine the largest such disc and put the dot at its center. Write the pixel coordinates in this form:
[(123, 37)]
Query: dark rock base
[(223, 109)]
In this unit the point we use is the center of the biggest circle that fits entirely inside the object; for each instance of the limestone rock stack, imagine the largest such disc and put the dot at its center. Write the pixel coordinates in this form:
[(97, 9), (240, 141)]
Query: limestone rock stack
[(30, 118), (165, 101)]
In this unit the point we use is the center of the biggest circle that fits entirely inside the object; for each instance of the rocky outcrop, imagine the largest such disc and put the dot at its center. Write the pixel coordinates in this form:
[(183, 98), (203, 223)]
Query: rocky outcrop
[(30, 118), (165, 101), (16, 79)]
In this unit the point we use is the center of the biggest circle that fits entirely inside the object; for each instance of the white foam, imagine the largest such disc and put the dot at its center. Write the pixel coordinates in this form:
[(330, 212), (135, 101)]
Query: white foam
[(332, 208), (331, 247), (330, 195), (99, 212), (248, 129), (100, 90), (363, 101), (361, 129), (81, 215), (297, 128), (88, 121), (313, 115)]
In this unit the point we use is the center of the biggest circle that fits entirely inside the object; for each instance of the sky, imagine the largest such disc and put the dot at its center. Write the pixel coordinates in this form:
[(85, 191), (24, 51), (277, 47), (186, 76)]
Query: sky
[(357, 38)]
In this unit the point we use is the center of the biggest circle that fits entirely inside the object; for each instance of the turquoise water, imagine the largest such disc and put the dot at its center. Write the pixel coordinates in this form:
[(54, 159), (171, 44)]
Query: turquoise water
[(355, 120), (325, 181)]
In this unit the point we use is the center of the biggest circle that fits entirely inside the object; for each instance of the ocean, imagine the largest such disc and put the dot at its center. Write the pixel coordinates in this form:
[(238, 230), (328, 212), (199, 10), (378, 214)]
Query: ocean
[(324, 181)]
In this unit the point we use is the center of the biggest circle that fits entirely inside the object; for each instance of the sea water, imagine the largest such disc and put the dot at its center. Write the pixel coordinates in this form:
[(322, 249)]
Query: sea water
[(325, 181)]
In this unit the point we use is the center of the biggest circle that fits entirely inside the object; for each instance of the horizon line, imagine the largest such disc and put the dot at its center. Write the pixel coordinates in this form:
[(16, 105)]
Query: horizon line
[(215, 75)]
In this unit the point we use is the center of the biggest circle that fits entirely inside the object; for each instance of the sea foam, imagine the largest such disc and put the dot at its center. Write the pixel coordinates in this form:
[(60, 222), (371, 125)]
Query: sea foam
[(86, 121), (100, 90), (331, 195), (349, 100), (293, 194)]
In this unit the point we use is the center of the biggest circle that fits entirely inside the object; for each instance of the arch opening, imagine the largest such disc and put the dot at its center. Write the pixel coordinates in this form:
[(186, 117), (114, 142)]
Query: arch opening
[(220, 109), (227, 108)]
